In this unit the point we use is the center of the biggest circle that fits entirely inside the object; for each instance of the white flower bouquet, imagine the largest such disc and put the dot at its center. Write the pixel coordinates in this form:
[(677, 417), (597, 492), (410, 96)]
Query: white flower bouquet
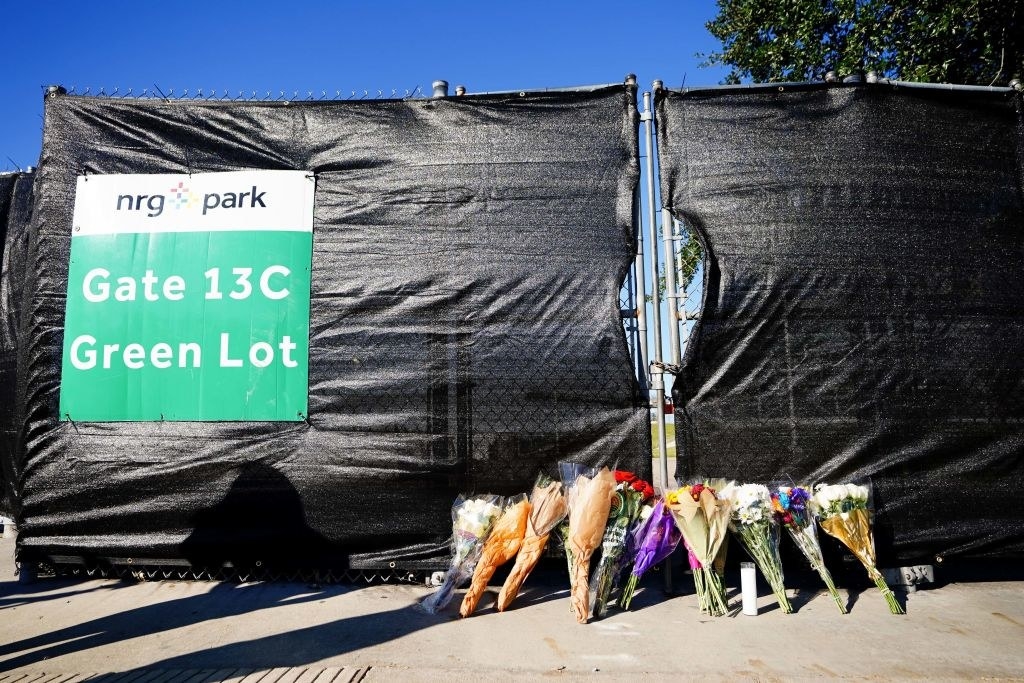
[(844, 514), (754, 525), (472, 520)]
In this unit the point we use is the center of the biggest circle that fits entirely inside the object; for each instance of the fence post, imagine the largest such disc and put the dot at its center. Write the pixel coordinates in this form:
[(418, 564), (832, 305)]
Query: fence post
[(668, 240), (657, 373)]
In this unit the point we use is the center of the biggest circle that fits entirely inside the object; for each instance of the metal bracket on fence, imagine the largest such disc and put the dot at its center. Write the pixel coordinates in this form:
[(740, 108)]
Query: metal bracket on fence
[(628, 313), (687, 315), (909, 578), (662, 368), (657, 370)]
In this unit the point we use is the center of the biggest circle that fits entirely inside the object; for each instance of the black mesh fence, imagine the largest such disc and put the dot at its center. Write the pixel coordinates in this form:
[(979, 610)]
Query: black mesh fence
[(15, 212), (863, 312), (465, 328)]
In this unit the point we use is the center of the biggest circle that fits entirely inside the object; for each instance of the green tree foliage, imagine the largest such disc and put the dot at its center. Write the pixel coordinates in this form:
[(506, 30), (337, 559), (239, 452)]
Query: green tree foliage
[(978, 42)]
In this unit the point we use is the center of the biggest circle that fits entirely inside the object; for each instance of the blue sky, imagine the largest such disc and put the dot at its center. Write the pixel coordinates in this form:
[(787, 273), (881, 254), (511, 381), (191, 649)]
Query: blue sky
[(334, 46)]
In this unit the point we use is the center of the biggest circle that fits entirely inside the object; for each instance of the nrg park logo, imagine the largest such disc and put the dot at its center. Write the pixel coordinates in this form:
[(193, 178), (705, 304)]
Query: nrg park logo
[(181, 197)]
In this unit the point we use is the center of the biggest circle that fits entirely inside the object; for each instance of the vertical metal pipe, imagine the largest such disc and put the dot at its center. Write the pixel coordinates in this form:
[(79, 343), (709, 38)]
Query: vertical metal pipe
[(657, 374), (656, 371), (630, 315), (669, 242), (639, 278), (641, 302)]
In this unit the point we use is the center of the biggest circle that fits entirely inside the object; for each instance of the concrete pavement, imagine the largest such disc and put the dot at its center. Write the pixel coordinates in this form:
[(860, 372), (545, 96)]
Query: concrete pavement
[(62, 631)]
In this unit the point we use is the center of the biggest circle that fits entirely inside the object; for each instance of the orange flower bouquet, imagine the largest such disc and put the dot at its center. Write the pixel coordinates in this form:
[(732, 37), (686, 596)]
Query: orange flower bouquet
[(502, 545), (547, 508)]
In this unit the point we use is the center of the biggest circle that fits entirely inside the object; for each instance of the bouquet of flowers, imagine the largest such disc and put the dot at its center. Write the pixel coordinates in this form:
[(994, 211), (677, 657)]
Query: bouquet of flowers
[(569, 472), (654, 539), (793, 509), (843, 511), (702, 519), (472, 519), (589, 503), (547, 509), (630, 494), (502, 545), (752, 523)]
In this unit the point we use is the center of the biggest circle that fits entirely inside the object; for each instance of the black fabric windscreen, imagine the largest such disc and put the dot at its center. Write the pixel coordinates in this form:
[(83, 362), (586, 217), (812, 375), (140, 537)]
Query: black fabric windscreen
[(863, 312), (15, 212), (465, 327)]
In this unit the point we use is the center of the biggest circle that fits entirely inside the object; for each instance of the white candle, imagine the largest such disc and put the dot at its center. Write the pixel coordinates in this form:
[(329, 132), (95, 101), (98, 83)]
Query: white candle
[(748, 587)]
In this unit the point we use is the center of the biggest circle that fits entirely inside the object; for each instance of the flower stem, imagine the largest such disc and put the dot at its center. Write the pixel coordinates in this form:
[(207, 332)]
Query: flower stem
[(716, 593), (890, 597), (627, 592), (758, 546), (809, 546), (827, 578)]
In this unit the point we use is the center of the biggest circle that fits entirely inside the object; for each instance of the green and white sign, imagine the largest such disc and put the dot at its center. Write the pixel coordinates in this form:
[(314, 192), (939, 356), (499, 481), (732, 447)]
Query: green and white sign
[(188, 297)]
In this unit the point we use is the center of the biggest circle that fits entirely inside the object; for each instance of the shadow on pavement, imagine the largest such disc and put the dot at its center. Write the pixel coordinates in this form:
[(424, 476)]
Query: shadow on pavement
[(223, 600), (303, 646), (50, 590)]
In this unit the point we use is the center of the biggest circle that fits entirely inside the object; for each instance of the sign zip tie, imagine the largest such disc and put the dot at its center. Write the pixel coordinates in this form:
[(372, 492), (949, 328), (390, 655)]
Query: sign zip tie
[(75, 426)]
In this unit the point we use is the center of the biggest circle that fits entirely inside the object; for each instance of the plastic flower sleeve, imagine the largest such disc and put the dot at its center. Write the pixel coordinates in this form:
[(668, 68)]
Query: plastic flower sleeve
[(547, 508), (569, 472), (589, 504), (628, 500), (794, 510), (654, 540), (502, 545), (752, 522), (472, 520), (703, 519), (845, 514)]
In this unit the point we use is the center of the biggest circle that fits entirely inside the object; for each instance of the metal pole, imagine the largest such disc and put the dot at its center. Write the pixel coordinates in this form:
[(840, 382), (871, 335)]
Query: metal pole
[(657, 380), (657, 373), (668, 240), (639, 278), (641, 303), (630, 315)]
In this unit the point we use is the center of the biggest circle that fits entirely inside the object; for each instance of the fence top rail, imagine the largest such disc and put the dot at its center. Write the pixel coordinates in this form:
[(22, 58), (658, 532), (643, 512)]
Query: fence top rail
[(242, 95), (282, 96), (575, 88), (821, 85)]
